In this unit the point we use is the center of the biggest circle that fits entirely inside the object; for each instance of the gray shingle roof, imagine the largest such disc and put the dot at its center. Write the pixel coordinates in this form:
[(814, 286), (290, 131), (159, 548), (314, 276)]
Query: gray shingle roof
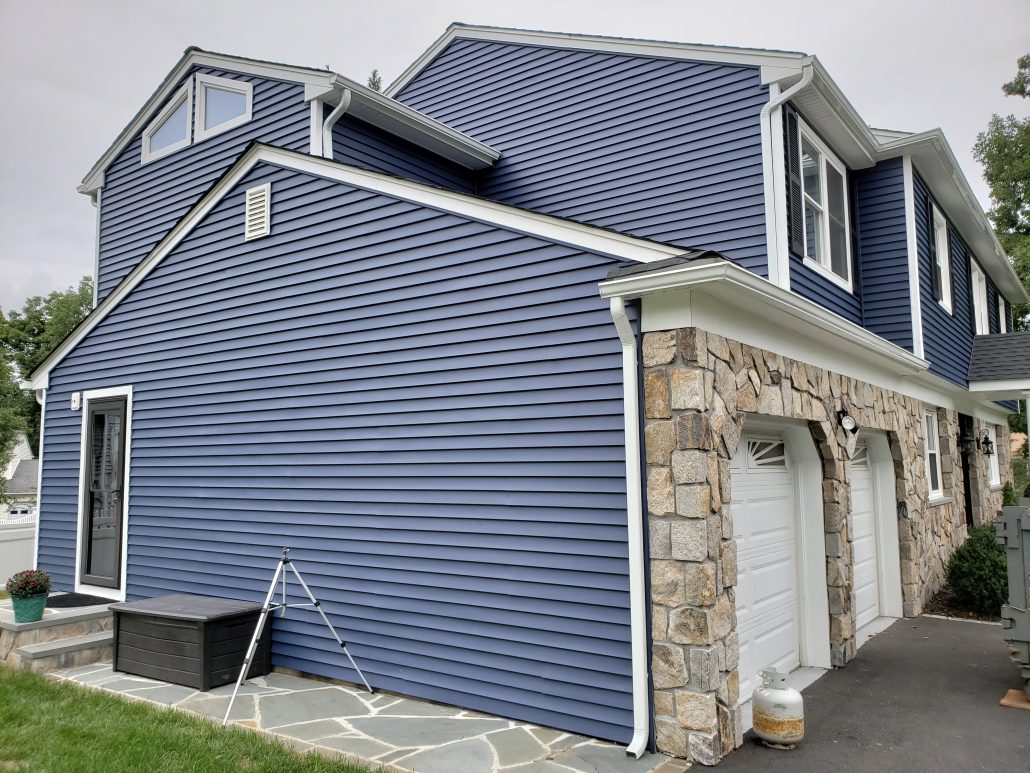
[(688, 257), (1000, 357), (25, 477)]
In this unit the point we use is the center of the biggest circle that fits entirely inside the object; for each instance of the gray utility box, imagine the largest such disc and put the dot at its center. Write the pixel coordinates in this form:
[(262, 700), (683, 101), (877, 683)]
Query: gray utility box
[(1013, 529), (196, 641)]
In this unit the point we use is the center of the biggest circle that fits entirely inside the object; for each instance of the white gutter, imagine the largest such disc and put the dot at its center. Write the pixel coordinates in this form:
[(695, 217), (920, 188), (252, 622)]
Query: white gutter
[(327, 127), (772, 171), (635, 524)]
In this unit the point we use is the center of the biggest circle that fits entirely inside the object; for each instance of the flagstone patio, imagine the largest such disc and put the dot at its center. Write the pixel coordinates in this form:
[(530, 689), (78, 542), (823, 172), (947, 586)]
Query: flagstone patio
[(388, 731)]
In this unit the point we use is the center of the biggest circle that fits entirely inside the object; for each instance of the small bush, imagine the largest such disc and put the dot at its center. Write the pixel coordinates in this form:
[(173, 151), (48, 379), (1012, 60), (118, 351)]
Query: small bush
[(1008, 495), (977, 572)]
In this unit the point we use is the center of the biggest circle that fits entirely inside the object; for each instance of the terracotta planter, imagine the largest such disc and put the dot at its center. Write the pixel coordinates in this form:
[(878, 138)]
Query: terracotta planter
[(29, 610)]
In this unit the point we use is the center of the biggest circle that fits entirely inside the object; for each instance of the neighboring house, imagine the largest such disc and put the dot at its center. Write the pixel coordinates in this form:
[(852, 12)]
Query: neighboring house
[(23, 484), (479, 326), (19, 451)]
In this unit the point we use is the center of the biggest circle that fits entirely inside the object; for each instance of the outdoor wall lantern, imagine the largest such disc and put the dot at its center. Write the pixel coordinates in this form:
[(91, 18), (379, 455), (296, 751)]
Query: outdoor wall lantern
[(847, 421), (986, 444), (966, 443)]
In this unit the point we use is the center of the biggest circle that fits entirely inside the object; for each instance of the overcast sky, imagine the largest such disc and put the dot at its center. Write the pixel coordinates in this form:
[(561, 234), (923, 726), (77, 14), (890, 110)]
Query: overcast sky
[(72, 74)]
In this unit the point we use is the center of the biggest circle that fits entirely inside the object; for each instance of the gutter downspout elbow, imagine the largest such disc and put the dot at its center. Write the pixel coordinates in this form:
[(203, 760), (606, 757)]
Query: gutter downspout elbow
[(773, 215), (635, 532), (330, 122)]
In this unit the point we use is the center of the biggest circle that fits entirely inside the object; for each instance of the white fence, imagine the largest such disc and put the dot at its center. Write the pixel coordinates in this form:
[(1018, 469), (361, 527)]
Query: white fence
[(16, 542)]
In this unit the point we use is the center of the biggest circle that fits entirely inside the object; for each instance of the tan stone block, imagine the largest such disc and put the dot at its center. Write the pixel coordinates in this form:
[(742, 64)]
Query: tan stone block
[(659, 440), (693, 430), (687, 389), (667, 583), (656, 394), (690, 626), (703, 748), (696, 710), (659, 623), (668, 666), (715, 500), (733, 686), (689, 540), (726, 384), (700, 584), (659, 348), (841, 628), (726, 511), (661, 498), (731, 644), (718, 346), (690, 466), (664, 703), (770, 400), (714, 536), (693, 501), (731, 432), (670, 738), (736, 355), (723, 617), (728, 557), (747, 399)]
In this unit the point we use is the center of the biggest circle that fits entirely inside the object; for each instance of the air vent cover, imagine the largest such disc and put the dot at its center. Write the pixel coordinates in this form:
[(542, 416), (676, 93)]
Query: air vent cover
[(258, 208)]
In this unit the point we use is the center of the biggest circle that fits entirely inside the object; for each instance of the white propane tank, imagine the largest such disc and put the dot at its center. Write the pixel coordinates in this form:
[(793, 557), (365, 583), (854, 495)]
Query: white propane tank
[(778, 711)]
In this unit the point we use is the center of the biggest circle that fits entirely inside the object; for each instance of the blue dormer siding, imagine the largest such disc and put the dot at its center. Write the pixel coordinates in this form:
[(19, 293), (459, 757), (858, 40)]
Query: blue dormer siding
[(141, 202), (427, 408), (360, 144), (664, 149), (879, 211)]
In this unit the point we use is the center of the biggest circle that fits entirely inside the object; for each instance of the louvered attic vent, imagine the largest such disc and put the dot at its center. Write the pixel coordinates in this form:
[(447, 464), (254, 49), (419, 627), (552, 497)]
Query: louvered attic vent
[(257, 212)]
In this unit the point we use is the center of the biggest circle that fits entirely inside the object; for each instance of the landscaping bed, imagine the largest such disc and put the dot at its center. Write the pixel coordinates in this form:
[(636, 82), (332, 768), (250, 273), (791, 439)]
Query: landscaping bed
[(52, 727), (946, 605)]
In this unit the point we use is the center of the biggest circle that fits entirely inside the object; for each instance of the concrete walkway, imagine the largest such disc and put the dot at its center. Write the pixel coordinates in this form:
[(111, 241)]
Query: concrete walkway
[(921, 696), (383, 730)]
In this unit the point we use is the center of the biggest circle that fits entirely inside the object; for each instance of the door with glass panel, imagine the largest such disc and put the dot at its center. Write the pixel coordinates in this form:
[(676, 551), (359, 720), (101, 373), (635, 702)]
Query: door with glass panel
[(104, 482)]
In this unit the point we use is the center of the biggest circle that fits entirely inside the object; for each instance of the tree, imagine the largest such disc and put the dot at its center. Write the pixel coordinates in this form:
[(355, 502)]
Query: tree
[(1004, 151), (374, 81), (26, 339)]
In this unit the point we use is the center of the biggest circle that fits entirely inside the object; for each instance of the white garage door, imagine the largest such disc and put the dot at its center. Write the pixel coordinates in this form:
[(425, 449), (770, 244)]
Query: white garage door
[(767, 585), (863, 525)]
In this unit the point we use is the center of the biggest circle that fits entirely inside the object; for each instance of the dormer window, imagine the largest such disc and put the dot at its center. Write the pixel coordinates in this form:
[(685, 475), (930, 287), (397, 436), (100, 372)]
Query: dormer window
[(221, 104), (171, 129), (940, 258)]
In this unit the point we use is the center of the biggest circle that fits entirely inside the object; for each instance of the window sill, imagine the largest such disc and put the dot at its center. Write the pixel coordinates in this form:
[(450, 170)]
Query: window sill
[(820, 269), (946, 306), (996, 486), (937, 501)]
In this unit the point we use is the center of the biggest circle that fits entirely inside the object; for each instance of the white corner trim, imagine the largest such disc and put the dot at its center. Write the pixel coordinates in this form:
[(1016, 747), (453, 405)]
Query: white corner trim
[(183, 95), (502, 215), (39, 475), (204, 82), (98, 203), (912, 248), (635, 531), (116, 594)]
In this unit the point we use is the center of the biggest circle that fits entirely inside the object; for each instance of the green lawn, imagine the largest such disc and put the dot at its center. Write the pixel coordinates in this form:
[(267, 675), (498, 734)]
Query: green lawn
[(3, 594), (55, 727), (1020, 475)]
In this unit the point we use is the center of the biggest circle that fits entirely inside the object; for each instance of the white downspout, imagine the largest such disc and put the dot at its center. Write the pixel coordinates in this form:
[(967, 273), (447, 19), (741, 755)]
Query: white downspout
[(635, 524), (779, 273), (41, 399), (327, 127)]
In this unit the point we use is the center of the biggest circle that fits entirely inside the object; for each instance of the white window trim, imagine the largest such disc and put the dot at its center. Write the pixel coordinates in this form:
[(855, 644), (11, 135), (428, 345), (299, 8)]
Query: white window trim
[(993, 464), (185, 94), (1003, 322), (937, 493), (978, 289), (116, 594), (828, 157), (943, 248), (225, 84)]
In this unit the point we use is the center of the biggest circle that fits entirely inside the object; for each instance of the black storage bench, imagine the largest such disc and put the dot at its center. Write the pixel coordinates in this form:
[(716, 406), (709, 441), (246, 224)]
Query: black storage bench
[(196, 641)]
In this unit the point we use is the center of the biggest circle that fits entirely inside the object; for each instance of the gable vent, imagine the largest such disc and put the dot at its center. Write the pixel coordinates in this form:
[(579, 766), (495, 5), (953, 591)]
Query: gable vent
[(256, 217)]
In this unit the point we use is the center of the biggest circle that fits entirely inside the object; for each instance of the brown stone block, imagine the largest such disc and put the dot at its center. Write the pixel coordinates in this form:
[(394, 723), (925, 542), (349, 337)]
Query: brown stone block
[(659, 440), (693, 346), (656, 394), (693, 430)]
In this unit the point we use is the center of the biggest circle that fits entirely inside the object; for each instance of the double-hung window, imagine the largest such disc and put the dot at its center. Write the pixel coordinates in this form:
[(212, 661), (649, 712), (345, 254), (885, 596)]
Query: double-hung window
[(1003, 316), (978, 289), (933, 455), (826, 227), (993, 466), (941, 258)]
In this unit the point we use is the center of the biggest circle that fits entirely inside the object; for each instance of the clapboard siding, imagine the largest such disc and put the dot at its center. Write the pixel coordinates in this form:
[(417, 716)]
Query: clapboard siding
[(427, 409), (812, 284), (361, 144), (664, 149), (879, 209), (141, 202)]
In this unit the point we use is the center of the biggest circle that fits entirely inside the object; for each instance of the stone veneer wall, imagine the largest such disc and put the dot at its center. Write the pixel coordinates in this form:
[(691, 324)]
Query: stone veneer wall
[(698, 389)]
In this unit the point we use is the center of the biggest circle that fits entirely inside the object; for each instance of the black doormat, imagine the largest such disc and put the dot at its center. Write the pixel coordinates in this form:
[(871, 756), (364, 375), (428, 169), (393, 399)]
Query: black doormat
[(68, 600)]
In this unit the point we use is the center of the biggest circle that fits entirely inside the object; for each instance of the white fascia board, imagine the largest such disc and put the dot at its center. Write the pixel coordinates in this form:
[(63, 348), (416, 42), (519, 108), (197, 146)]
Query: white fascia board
[(568, 232), (786, 61), (412, 125), (1012, 388), (315, 79)]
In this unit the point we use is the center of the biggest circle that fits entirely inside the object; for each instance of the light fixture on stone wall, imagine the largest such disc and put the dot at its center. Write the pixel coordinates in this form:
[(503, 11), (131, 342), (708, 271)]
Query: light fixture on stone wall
[(847, 421), (966, 443), (986, 444)]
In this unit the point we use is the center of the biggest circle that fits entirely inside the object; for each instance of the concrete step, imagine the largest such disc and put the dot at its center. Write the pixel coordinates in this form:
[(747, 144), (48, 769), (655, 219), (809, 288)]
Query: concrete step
[(63, 653)]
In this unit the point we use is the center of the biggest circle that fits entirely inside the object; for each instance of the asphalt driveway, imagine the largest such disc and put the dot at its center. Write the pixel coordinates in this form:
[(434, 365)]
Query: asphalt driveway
[(921, 696)]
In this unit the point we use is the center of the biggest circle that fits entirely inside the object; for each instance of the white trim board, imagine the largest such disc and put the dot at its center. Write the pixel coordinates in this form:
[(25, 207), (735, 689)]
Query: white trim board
[(911, 245), (569, 232)]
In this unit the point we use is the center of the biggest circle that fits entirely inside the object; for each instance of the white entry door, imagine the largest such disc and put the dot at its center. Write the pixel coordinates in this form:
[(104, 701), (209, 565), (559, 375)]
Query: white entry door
[(864, 538), (767, 559)]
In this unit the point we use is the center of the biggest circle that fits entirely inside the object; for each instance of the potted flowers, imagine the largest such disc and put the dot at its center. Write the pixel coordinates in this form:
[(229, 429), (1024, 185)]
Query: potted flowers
[(29, 591)]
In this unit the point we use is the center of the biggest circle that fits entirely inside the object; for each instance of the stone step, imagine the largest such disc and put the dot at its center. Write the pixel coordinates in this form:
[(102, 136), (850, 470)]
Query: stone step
[(63, 653)]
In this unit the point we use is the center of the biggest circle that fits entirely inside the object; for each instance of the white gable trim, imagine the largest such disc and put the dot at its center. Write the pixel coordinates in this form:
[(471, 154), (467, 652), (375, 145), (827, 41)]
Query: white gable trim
[(502, 215)]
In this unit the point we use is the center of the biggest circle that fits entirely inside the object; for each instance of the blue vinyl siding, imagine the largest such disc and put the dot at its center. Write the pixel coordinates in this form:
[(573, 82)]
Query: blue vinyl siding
[(664, 149), (428, 409), (879, 210), (358, 143), (141, 202), (811, 284)]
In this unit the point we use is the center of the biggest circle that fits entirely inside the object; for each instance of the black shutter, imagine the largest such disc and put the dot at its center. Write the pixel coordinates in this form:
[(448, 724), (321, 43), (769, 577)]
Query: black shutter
[(935, 269), (792, 153)]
